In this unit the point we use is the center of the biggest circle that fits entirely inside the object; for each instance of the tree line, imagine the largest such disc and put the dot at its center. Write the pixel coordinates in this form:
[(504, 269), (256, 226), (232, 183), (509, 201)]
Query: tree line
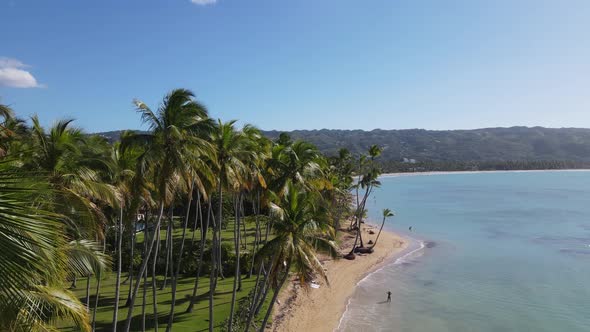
[(487, 145), (74, 206), (439, 166)]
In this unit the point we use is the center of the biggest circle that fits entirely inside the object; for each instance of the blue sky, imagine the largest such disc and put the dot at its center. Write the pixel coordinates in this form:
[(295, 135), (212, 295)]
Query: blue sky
[(298, 64)]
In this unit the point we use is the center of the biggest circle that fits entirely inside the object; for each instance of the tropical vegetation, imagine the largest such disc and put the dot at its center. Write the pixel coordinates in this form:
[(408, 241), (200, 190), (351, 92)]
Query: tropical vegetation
[(193, 217)]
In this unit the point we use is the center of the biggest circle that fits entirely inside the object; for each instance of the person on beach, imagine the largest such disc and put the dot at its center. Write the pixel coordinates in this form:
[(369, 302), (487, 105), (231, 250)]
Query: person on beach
[(410, 228), (388, 296)]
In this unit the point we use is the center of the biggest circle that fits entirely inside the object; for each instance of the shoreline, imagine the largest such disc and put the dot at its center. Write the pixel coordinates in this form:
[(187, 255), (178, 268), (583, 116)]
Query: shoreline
[(386, 175), (321, 309)]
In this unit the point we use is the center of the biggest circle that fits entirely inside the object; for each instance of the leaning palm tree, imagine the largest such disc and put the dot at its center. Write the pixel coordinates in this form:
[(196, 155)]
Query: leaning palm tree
[(368, 180), (386, 214), (168, 148), (302, 229)]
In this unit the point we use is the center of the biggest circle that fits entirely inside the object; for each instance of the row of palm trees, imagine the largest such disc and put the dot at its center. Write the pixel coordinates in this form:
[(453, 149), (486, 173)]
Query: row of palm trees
[(61, 190)]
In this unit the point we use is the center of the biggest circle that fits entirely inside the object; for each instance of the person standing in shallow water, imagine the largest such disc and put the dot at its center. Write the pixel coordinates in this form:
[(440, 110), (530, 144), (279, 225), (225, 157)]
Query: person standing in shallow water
[(388, 296)]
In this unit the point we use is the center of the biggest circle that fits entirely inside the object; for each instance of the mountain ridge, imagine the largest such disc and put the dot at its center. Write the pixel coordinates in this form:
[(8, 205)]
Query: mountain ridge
[(483, 144)]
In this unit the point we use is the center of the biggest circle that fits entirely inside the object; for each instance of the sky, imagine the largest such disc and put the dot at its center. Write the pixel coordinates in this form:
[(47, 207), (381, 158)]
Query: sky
[(301, 64)]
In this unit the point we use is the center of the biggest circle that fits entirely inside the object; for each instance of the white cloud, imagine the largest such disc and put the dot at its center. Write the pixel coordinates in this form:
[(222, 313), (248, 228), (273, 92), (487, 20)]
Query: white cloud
[(203, 2), (13, 74)]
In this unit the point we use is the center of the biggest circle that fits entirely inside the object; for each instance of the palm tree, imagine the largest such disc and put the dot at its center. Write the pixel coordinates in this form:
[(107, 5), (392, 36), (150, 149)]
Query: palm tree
[(341, 170), (234, 151), (122, 176), (73, 165), (367, 182), (12, 130), (33, 259), (199, 177), (168, 148), (386, 214), (203, 228), (298, 162), (302, 228)]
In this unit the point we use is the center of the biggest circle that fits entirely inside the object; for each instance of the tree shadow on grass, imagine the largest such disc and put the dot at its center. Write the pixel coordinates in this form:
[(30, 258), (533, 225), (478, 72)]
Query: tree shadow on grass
[(136, 321)]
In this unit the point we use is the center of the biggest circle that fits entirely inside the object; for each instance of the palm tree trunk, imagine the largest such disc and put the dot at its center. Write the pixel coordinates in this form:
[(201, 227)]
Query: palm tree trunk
[(212, 277), (256, 232), (74, 282), (219, 257), (130, 276), (219, 225), (168, 247), (144, 300), (96, 303), (179, 262), (214, 253), (198, 216), (237, 270), (274, 297), (142, 270), (118, 281), (380, 229), (265, 285), (239, 220), (359, 218), (146, 237), (256, 297), (155, 280), (88, 293), (201, 252), (245, 234), (264, 291)]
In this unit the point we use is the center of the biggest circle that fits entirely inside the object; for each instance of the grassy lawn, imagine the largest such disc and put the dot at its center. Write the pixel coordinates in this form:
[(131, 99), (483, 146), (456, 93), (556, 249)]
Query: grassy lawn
[(198, 320)]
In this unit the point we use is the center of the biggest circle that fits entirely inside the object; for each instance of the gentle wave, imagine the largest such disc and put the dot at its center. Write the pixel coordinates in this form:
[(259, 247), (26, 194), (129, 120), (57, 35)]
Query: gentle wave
[(399, 259)]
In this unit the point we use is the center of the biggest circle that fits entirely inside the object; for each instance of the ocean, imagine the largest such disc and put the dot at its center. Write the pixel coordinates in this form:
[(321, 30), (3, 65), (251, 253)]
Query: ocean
[(496, 251)]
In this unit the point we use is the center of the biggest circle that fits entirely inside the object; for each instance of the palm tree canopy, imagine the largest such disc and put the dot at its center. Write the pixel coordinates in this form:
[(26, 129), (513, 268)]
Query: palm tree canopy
[(177, 142), (301, 229), (387, 213), (32, 262)]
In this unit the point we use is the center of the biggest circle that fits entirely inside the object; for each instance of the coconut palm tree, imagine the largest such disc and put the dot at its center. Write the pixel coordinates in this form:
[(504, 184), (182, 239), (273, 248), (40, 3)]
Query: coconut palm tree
[(367, 182), (298, 162), (302, 228), (340, 172), (12, 130), (73, 165), (34, 259), (386, 214), (169, 146), (123, 177), (199, 177), (234, 151)]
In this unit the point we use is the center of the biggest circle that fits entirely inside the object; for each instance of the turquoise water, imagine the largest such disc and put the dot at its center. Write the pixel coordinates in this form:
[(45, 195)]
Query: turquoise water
[(501, 252)]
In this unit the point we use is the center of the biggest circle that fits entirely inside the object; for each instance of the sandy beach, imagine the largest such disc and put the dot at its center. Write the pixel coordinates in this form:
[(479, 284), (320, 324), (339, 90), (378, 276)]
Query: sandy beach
[(320, 309)]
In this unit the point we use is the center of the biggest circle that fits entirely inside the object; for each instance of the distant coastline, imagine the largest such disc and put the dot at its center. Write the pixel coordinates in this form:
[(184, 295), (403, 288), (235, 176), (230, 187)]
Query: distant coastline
[(384, 175)]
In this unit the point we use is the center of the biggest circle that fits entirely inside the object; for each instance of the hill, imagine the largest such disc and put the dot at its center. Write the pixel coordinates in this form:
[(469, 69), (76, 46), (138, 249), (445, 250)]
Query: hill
[(477, 145), (497, 144)]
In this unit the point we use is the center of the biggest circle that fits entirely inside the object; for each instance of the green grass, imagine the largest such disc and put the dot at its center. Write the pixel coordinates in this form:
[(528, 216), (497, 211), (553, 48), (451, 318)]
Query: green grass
[(198, 320)]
